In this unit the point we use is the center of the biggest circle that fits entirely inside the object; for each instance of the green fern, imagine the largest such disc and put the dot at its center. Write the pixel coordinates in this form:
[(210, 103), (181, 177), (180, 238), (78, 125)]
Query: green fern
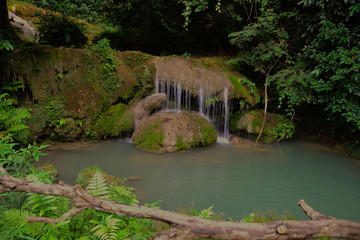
[(98, 186), (12, 119), (107, 229), (13, 222), (42, 205)]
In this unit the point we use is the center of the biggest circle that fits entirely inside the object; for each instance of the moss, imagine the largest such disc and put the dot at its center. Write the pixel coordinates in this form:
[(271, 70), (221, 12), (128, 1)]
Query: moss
[(216, 63), (241, 91), (234, 119), (151, 137), (207, 133), (135, 58), (181, 145), (32, 13), (276, 126), (127, 122), (109, 124), (85, 175)]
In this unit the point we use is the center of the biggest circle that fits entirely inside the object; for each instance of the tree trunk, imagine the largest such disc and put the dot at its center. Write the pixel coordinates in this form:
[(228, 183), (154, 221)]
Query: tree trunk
[(189, 227), (265, 112), (4, 16)]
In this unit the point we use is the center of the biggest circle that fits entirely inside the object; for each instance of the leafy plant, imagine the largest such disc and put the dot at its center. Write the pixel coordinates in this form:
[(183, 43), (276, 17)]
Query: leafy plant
[(207, 213), (43, 205), (102, 48), (249, 218), (106, 229), (12, 120), (13, 225), (60, 30), (98, 186)]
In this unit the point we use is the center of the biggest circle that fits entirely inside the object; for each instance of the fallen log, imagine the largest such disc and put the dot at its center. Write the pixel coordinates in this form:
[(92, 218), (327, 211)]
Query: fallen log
[(189, 227)]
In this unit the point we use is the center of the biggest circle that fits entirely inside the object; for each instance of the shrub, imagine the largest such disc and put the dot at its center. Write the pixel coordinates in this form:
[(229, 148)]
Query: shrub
[(59, 30)]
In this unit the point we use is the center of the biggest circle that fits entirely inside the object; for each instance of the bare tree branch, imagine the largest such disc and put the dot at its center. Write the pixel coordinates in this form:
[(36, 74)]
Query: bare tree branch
[(191, 227)]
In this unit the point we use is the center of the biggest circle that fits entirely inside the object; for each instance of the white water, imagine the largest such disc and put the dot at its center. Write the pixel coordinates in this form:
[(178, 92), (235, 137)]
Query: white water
[(211, 106), (157, 82), (201, 101), (226, 111)]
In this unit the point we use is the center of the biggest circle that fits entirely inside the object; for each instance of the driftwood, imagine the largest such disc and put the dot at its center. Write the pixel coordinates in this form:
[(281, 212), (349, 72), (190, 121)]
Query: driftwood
[(189, 227)]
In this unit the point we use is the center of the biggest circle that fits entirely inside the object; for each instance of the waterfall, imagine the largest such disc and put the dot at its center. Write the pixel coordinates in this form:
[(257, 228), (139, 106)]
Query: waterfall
[(226, 111), (157, 82), (213, 107), (201, 100), (178, 97)]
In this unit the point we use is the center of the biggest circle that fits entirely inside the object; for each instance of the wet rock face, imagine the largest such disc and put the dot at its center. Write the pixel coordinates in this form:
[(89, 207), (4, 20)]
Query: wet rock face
[(174, 131), (178, 70)]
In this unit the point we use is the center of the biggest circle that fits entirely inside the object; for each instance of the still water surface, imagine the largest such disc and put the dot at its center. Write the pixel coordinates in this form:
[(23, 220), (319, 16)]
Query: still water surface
[(235, 180)]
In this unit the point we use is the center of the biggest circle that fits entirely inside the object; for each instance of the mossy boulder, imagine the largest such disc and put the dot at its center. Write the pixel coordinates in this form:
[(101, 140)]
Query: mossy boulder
[(111, 123), (211, 74), (174, 131), (68, 129), (85, 175), (276, 126)]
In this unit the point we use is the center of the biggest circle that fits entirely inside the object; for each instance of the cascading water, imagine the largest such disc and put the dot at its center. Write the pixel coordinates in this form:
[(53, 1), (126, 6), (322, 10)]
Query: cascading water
[(226, 112), (201, 101), (157, 82), (210, 105)]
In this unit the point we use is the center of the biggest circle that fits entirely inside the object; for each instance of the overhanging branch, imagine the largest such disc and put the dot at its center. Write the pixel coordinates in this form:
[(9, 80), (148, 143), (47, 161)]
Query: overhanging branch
[(191, 227)]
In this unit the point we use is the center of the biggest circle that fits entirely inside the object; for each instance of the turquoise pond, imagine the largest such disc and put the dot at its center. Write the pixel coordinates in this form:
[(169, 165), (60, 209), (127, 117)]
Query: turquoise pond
[(236, 180)]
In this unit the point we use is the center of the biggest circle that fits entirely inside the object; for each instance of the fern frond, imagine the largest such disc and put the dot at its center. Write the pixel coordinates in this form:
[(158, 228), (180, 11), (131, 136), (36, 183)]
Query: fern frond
[(16, 219), (49, 206), (106, 230), (98, 186)]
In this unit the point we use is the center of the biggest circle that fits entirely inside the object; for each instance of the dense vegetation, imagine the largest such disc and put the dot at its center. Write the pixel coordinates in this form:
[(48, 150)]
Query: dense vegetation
[(304, 52)]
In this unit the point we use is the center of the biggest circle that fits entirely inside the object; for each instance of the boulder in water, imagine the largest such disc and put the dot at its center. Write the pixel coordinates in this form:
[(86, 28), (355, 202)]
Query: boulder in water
[(174, 131), (277, 127)]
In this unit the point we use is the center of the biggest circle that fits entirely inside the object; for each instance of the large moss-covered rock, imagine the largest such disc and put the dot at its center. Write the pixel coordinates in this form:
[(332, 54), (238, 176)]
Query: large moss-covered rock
[(174, 131), (212, 75), (111, 123), (276, 126), (68, 129)]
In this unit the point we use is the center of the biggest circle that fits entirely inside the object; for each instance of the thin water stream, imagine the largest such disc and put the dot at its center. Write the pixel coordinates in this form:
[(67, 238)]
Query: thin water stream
[(235, 179)]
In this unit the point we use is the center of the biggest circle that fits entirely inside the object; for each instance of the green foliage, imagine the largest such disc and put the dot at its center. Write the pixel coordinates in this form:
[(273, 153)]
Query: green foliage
[(108, 64), (284, 130), (6, 44), (293, 88), (211, 100), (83, 9), (106, 230), (207, 213), (262, 43), (336, 60), (43, 205), (104, 225), (98, 186), (268, 216), (13, 225), (12, 120), (17, 161), (60, 30)]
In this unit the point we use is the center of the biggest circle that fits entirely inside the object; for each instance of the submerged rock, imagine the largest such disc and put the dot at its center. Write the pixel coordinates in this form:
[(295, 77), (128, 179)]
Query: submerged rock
[(174, 131), (277, 127)]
